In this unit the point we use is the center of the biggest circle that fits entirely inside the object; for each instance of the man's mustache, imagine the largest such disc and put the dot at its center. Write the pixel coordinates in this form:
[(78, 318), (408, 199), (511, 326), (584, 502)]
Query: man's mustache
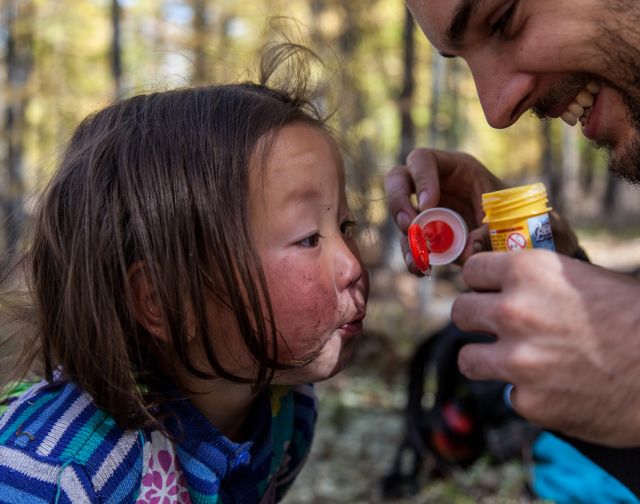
[(561, 92)]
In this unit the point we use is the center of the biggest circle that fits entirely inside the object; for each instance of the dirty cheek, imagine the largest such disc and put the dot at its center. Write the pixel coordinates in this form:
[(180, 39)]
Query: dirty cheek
[(304, 303)]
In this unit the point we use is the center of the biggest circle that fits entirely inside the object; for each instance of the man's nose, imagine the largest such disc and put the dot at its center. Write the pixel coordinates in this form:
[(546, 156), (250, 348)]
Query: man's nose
[(504, 94)]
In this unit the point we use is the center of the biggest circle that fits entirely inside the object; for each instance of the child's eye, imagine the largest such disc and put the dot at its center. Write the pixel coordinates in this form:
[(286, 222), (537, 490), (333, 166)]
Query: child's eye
[(348, 227), (310, 241)]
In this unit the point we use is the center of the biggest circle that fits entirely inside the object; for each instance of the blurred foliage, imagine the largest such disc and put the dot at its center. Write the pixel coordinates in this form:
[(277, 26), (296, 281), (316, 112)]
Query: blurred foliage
[(172, 43)]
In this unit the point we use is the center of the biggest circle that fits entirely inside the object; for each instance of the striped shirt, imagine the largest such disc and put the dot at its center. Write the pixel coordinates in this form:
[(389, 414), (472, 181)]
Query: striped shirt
[(56, 445)]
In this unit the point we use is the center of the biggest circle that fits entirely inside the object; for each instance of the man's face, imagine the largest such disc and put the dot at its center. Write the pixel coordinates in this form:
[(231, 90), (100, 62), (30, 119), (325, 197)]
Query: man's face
[(575, 59)]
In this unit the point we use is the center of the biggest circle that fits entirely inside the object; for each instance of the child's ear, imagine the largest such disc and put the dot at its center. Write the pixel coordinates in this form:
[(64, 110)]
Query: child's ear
[(145, 302)]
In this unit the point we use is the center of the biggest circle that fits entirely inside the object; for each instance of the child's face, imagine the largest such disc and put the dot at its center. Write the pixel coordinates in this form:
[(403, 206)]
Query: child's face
[(303, 230)]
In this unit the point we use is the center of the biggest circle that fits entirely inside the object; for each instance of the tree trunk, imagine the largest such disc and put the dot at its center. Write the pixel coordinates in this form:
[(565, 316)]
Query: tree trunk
[(389, 233), (549, 175), (200, 70), (116, 47), (317, 8), (353, 109), (19, 62), (438, 77), (588, 165), (453, 91), (610, 195), (407, 128), (570, 188)]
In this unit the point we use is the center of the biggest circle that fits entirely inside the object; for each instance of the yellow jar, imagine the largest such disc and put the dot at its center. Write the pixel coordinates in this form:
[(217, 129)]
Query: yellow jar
[(518, 218)]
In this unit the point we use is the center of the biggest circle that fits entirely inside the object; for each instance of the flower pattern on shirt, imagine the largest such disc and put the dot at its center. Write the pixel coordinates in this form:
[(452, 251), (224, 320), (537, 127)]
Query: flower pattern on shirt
[(163, 481)]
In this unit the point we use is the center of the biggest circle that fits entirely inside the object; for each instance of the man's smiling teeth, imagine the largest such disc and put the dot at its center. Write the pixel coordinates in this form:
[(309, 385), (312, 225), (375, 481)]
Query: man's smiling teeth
[(580, 108)]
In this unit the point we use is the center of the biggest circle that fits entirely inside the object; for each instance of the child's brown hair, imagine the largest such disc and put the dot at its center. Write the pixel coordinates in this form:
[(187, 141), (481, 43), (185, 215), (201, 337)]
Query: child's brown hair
[(160, 180)]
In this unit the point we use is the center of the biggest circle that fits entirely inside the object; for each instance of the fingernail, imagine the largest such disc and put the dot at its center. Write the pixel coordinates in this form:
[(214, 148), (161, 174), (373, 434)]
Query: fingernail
[(478, 246), (422, 199), (403, 220)]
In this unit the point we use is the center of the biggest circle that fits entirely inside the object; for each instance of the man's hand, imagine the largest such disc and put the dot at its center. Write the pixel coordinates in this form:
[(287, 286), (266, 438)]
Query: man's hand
[(457, 181), (567, 338), (438, 178)]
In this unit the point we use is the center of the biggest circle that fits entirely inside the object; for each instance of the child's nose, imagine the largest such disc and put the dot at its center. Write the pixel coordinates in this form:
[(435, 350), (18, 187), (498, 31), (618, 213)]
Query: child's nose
[(349, 267)]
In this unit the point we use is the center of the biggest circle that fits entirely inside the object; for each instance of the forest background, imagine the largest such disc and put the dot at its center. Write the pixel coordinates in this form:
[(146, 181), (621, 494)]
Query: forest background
[(63, 59)]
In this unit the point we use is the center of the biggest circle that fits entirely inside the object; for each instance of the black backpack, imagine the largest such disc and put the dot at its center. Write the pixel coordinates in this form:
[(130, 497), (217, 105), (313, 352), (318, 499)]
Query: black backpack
[(451, 421)]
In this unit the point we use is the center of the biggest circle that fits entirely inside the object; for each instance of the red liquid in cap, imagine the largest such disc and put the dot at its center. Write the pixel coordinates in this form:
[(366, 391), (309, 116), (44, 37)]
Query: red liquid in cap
[(440, 236)]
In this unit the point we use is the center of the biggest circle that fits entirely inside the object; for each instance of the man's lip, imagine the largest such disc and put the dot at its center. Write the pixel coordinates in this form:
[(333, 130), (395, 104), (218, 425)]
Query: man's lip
[(591, 128)]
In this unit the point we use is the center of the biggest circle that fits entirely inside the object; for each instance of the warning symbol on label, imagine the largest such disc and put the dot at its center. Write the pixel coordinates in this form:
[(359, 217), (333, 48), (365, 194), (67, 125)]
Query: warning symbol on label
[(516, 241)]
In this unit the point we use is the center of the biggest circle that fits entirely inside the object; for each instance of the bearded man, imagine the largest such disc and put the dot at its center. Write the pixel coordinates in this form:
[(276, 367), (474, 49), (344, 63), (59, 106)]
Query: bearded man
[(567, 332)]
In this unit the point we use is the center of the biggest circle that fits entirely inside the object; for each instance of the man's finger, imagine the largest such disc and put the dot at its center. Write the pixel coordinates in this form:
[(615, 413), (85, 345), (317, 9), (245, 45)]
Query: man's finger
[(428, 167), (475, 312), (423, 165), (482, 361), (485, 271), (477, 241), (398, 186)]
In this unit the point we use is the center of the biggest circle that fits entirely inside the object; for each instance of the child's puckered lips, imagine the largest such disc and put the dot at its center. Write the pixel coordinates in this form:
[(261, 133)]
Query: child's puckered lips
[(354, 326)]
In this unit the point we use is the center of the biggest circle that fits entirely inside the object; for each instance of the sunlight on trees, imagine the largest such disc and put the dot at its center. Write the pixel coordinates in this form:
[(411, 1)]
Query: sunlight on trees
[(76, 56)]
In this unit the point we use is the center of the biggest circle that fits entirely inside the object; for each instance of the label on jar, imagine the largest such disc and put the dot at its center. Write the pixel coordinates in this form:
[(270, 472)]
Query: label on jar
[(540, 232), (534, 232)]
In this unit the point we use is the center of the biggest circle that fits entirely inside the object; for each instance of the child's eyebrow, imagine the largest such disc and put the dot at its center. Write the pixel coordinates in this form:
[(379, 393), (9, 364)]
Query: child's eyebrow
[(298, 195)]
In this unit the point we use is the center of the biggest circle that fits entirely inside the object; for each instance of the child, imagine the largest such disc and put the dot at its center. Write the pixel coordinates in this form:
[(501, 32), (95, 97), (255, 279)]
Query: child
[(193, 270)]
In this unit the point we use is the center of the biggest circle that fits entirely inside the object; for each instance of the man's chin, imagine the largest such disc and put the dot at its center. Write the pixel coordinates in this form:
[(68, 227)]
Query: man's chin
[(626, 163)]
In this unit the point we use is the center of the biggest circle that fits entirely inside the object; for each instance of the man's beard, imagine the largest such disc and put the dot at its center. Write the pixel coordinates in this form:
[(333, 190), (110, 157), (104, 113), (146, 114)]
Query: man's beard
[(623, 61), (626, 163)]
